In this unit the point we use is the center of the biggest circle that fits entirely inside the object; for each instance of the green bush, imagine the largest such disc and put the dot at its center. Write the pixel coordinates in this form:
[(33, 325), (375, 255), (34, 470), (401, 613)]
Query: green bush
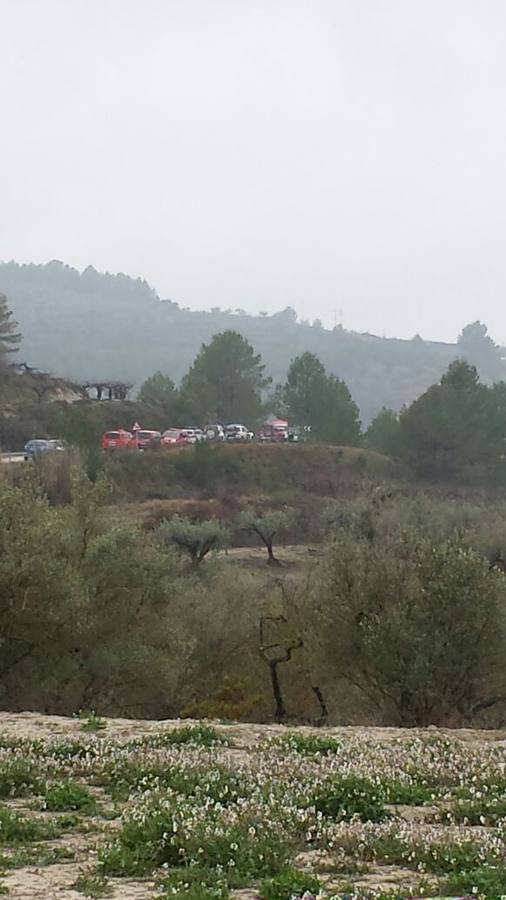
[(15, 829), (345, 798), (485, 811), (66, 796), (291, 883), (93, 884), (92, 723), (419, 628), (488, 882), (19, 775), (200, 735), (152, 837)]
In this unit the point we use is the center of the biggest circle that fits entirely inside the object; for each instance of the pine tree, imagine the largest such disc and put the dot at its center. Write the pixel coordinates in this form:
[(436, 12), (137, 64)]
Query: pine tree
[(226, 381), (9, 337), (311, 397)]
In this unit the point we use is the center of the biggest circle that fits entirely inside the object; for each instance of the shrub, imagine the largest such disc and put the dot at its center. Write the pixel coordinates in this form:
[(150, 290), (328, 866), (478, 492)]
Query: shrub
[(194, 883), (172, 831), (345, 798), (93, 884), (67, 796), (92, 723), (289, 884), (418, 628), (489, 882), (15, 829), (234, 700), (484, 811), (200, 735), (19, 774)]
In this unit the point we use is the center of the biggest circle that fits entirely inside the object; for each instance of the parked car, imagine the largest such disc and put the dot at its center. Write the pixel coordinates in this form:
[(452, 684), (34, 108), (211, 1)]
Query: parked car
[(118, 440), (147, 440), (234, 432), (39, 447), (214, 432), (298, 433), (195, 435), (274, 430), (176, 437)]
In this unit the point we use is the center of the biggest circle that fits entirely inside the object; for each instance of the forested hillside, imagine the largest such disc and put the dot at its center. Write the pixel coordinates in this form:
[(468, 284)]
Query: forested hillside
[(91, 325)]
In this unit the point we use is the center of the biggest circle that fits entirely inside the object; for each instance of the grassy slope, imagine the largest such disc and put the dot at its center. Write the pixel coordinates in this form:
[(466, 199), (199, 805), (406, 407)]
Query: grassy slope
[(206, 472)]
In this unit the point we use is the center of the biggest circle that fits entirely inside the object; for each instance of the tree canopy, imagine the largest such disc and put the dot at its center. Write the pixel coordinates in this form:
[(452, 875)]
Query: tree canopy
[(158, 389), (415, 623), (9, 336), (267, 525), (477, 347), (226, 381), (457, 428), (197, 539), (383, 433), (311, 397)]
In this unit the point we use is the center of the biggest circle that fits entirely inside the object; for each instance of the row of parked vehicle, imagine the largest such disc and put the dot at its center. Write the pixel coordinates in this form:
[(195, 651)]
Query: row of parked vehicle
[(273, 430), (143, 439)]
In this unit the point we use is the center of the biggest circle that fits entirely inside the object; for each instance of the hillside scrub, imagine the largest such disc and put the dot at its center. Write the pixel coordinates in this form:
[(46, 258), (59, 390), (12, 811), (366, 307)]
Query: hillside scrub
[(208, 471), (83, 606), (400, 618), (418, 628)]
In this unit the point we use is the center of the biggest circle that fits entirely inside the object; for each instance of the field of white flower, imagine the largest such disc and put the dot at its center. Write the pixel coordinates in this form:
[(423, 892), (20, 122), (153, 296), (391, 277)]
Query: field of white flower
[(110, 809)]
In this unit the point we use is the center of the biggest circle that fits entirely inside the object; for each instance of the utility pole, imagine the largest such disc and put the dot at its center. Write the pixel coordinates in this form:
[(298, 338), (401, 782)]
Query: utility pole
[(336, 311)]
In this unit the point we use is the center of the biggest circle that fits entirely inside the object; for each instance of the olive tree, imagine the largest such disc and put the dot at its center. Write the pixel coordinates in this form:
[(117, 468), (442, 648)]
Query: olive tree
[(267, 526), (85, 607), (418, 627), (197, 539)]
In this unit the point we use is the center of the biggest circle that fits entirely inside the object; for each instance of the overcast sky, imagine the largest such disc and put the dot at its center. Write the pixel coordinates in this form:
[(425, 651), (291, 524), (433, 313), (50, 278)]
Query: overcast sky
[(344, 157)]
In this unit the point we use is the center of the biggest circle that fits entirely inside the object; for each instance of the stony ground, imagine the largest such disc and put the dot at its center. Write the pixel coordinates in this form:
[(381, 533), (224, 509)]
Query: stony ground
[(137, 809)]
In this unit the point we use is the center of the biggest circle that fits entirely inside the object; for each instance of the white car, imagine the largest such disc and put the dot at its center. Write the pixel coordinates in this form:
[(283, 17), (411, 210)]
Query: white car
[(190, 434), (234, 432), (214, 432)]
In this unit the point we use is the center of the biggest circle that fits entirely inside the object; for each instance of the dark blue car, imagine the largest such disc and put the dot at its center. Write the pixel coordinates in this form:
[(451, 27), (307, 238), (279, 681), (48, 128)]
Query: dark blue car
[(39, 447)]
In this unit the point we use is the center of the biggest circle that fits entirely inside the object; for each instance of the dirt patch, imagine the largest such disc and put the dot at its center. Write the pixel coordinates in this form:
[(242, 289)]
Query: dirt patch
[(33, 725)]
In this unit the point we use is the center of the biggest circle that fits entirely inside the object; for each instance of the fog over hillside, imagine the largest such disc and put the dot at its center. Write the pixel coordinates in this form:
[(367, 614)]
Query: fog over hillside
[(328, 155), (92, 325)]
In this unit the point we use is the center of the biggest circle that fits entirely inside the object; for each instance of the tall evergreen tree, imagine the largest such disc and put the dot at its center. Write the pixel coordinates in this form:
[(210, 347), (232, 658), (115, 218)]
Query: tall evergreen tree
[(311, 397), (383, 433), (226, 381), (159, 390), (9, 336), (457, 428), (305, 383), (477, 347)]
